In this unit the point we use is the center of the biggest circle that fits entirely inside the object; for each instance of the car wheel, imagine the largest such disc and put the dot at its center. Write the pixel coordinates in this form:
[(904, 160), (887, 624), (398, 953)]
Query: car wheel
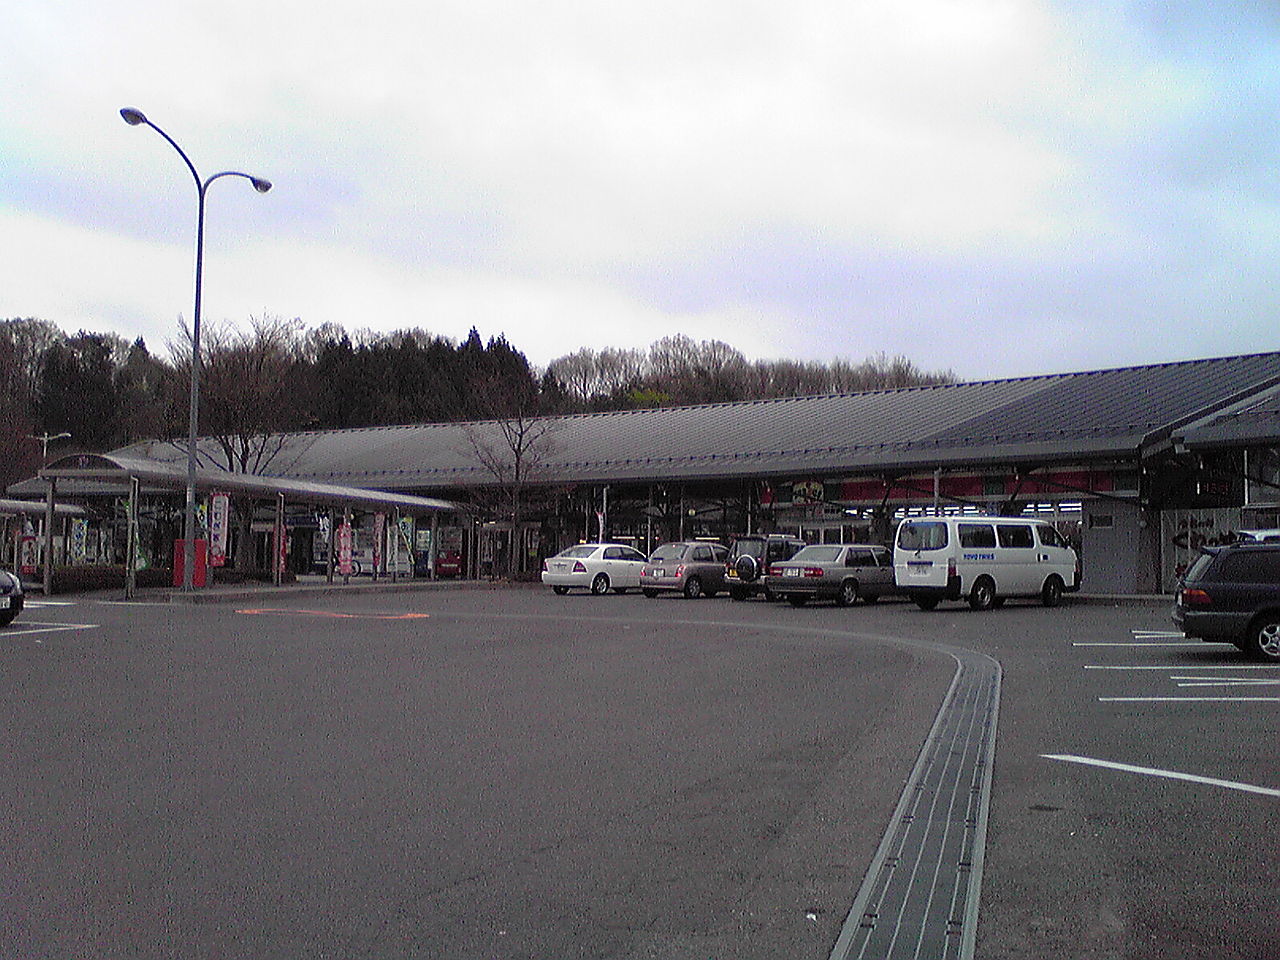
[(1051, 594), (770, 596), (6, 617), (737, 593), (560, 591), (693, 588), (1265, 639), (848, 594), (650, 593), (600, 585), (927, 603), (983, 594), (870, 597), (797, 599)]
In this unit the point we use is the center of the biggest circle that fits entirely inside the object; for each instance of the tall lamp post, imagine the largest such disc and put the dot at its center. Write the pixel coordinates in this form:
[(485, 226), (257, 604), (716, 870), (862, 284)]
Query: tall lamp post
[(134, 118)]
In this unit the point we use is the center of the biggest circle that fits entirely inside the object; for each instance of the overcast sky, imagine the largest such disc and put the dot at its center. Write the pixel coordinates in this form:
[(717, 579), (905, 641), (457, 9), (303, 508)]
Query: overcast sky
[(999, 187)]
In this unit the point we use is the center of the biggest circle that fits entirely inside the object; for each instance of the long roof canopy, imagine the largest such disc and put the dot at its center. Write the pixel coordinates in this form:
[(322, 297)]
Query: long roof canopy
[(1124, 413), (168, 474)]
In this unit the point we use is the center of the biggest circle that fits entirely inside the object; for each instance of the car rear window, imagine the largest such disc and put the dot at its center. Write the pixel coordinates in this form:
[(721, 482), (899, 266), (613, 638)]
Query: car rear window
[(579, 552), (673, 551), (749, 548), (819, 554), (1249, 566), (922, 535), (1198, 566)]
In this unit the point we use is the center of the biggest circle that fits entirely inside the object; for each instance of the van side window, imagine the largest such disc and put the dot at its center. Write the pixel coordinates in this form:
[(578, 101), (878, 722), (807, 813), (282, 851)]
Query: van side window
[(977, 535), (1049, 536), (1015, 535)]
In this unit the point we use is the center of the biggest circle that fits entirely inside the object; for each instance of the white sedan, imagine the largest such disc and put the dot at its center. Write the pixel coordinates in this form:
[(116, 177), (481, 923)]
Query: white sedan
[(598, 567)]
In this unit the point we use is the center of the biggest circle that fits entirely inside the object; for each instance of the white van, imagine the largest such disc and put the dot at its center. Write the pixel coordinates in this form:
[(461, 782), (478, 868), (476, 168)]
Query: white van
[(982, 559)]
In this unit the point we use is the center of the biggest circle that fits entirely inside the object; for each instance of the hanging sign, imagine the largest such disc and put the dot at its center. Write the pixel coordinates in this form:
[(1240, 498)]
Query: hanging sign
[(379, 531), (345, 545), (219, 513)]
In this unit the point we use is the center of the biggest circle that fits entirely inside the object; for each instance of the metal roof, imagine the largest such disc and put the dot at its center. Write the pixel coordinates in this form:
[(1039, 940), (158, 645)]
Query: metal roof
[(173, 475), (1124, 412)]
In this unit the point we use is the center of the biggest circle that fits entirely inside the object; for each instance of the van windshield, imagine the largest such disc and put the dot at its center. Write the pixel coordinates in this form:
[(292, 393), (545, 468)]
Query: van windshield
[(922, 535)]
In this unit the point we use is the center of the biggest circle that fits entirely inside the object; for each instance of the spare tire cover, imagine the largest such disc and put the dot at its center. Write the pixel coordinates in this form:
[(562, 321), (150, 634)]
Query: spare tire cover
[(746, 567)]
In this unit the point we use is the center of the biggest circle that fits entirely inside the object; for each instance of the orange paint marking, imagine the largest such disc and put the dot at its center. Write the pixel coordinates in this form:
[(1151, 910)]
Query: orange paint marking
[(337, 616)]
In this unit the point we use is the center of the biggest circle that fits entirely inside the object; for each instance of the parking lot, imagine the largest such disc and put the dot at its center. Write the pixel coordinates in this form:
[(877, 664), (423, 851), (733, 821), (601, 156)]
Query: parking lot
[(509, 773)]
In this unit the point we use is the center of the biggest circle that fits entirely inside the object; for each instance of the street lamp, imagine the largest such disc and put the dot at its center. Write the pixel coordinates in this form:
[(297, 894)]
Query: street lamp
[(45, 439), (134, 118)]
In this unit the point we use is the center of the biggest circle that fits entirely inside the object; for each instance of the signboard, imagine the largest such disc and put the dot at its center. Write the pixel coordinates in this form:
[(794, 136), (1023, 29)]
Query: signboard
[(79, 540), (219, 513), (346, 544), (28, 555)]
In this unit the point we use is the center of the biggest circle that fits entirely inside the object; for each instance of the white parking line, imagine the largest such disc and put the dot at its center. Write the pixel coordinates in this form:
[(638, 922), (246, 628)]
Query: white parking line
[(1157, 633), (1137, 643), (1189, 699), (1168, 774), (1226, 683), (34, 626), (1184, 666), (49, 603)]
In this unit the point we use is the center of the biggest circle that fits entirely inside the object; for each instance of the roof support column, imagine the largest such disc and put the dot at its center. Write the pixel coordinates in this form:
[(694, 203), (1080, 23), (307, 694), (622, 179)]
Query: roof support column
[(281, 543), (49, 497), (333, 530), (131, 540)]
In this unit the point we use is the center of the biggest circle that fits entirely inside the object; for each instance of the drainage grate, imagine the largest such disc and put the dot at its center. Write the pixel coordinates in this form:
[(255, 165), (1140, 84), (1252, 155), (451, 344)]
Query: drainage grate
[(920, 896)]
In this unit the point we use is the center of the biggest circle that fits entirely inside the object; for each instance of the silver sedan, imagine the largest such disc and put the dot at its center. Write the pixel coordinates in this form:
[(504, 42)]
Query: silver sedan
[(843, 572)]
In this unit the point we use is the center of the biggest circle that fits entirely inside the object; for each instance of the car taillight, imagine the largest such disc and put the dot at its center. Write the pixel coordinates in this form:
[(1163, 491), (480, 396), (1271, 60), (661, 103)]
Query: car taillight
[(579, 567), (1196, 598), (680, 571), (775, 571), (813, 571)]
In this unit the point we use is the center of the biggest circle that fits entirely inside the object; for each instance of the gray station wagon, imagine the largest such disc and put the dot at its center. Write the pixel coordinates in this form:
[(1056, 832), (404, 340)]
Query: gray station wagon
[(694, 568), (843, 572)]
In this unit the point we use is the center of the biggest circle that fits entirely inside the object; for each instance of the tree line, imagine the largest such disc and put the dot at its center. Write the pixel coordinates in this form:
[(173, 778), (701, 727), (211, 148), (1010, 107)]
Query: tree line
[(271, 375)]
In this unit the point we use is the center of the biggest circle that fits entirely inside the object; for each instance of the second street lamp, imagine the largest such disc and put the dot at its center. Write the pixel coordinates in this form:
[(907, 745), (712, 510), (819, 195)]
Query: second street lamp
[(135, 118)]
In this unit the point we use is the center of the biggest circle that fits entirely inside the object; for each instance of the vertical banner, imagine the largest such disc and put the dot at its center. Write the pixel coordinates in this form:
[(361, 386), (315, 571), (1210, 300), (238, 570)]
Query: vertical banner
[(219, 512), (379, 534), (344, 548), (79, 540)]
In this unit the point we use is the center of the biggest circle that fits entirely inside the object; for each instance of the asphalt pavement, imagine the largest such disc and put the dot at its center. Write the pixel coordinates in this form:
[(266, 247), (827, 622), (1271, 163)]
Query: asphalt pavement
[(443, 772)]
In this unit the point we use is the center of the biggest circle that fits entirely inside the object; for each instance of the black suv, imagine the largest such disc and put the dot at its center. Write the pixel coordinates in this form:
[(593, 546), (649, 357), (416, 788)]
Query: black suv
[(749, 560), (1231, 594)]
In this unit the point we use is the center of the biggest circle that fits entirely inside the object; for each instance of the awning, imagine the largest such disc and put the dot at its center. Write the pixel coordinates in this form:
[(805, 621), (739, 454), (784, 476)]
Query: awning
[(102, 468)]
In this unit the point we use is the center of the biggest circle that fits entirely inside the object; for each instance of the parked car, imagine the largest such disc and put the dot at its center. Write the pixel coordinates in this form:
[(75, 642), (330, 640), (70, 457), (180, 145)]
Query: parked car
[(695, 568), (10, 597), (1231, 594), (598, 567), (843, 572), (749, 560)]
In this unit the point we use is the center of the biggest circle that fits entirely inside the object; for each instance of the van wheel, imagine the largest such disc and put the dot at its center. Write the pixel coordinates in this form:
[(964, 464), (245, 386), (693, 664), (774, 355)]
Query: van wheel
[(848, 594), (1264, 640), (927, 603), (983, 594), (1051, 595)]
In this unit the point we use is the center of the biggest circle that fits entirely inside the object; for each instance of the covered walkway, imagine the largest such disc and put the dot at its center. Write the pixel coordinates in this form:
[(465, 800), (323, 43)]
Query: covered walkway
[(85, 475)]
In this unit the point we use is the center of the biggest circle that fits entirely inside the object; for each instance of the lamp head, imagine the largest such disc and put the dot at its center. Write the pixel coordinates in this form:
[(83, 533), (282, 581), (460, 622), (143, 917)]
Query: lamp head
[(133, 117), (262, 186)]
